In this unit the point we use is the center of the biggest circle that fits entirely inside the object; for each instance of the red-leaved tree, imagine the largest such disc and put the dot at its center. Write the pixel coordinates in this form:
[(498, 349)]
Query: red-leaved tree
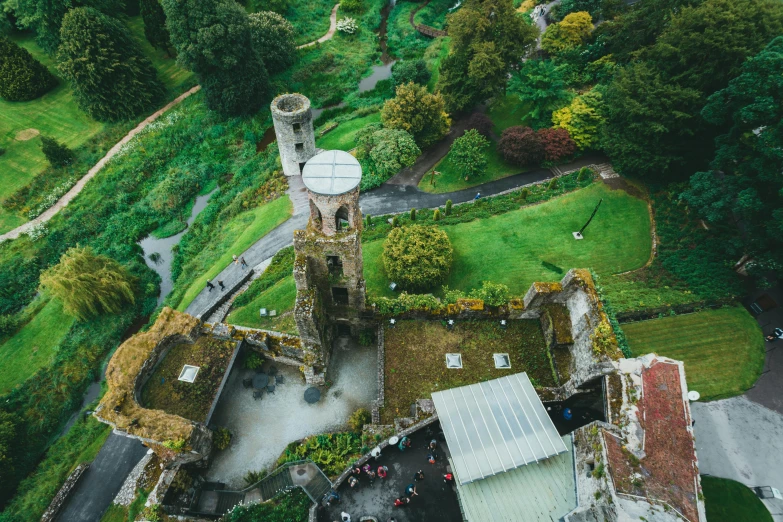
[(557, 144), (482, 123), (521, 146)]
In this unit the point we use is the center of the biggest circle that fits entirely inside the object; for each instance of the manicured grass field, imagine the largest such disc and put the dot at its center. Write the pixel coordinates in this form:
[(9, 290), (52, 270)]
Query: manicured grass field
[(450, 180), (535, 243), (726, 500), (281, 297), (723, 350), (507, 112), (344, 136), (416, 354), (34, 345), (172, 75), (241, 232)]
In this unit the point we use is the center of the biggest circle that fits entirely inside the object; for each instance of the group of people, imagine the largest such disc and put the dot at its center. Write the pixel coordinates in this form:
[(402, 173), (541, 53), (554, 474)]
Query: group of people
[(381, 472), (237, 260)]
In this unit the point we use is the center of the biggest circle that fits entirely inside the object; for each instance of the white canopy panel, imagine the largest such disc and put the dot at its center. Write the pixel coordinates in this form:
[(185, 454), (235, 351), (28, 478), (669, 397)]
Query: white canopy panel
[(331, 173), (495, 426)]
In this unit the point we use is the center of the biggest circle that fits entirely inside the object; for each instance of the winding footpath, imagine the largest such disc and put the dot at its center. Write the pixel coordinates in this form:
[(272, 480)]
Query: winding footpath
[(386, 199), (77, 188), (329, 33)]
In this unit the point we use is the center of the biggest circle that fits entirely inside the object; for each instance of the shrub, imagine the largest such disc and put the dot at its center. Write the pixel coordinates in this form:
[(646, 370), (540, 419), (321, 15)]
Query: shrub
[(368, 220), (448, 207), (9, 323), (410, 71), (413, 214), (584, 173), (481, 123), (395, 221), (436, 215), (351, 6), (557, 144), (417, 257), (22, 77), (254, 361), (111, 77), (415, 110), (493, 294), (176, 445), (358, 419), (221, 438), (524, 193), (89, 284), (553, 185), (347, 26), (57, 154), (366, 337), (521, 146), (467, 153)]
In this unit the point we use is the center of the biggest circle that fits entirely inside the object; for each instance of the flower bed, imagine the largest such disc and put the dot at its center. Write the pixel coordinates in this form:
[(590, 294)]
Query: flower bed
[(415, 358)]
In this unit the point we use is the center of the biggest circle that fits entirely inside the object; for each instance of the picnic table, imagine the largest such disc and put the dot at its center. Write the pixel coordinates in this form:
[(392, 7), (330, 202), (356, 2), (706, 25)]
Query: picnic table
[(260, 381)]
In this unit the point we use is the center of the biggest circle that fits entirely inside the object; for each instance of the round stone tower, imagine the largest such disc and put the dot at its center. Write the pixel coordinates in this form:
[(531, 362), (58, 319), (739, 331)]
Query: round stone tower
[(293, 122), (332, 180)]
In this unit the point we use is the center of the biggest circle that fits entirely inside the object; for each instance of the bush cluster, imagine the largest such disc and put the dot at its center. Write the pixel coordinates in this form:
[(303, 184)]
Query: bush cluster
[(22, 77), (417, 257), (523, 146)]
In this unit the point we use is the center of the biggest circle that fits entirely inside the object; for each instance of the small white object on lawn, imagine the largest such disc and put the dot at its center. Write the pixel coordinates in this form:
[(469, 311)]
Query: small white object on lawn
[(577, 235), (693, 395), (262, 312), (454, 361)]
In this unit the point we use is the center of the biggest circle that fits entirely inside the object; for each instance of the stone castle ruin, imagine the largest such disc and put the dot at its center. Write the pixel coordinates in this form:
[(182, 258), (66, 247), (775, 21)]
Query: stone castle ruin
[(293, 121)]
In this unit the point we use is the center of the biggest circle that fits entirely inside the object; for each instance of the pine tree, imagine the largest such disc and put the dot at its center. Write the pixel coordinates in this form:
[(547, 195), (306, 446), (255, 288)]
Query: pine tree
[(111, 78), (231, 72), (22, 77), (155, 24), (57, 154)]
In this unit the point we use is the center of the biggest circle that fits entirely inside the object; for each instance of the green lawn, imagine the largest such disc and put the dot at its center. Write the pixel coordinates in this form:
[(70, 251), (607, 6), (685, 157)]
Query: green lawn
[(507, 112), (310, 18), (241, 232), (435, 54), (34, 345), (723, 350), (281, 297), (450, 180), (726, 500), (344, 136), (535, 243), (172, 75)]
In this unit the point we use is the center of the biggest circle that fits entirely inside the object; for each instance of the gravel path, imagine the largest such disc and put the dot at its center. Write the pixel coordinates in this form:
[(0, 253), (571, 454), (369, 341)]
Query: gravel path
[(68, 197), (329, 33)]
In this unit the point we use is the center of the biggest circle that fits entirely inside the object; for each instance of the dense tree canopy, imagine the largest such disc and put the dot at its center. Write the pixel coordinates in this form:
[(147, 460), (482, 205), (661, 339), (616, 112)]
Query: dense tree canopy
[(746, 182), (488, 39), (418, 112), (541, 85), (155, 24), (521, 146), (22, 77), (468, 153), (111, 78), (406, 71), (214, 40), (572, 32), (416, 257), (386, 151), (582, 119), (273, 39), (45, 17), (556, 144), (89, 284)]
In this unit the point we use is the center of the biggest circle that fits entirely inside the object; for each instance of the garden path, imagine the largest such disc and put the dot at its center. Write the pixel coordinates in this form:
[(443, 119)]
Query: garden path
[(68, 197), (386, 199), (329, 33)]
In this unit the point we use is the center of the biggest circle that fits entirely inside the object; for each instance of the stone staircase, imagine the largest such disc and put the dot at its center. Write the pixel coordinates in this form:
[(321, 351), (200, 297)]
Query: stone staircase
[(304, 474), (606, 171), (220, 314)]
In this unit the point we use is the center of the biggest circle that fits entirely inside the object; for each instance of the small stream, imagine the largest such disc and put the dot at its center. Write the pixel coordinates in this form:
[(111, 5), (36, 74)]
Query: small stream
[(162, 247)]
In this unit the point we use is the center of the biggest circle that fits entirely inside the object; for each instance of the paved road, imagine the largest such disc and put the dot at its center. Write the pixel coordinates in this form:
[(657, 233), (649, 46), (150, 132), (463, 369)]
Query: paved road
[(741, 440), (103, 480), (767, 390)]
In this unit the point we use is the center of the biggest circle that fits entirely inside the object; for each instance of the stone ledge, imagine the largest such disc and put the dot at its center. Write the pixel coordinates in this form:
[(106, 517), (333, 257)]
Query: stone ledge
[(65, 491)]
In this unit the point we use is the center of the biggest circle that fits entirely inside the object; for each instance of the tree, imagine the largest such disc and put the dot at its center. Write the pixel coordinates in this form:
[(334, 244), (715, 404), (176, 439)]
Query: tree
[(352, 6), (22, 77), (273, 39), (705, 45), (45, 17), (468, 153), (417, 112), (155, 24), (582, 119), (417, 257), (521, 146), (111, 78), (482, 123), (407, 71), (571, 32), (557, 144), (540, 83), (213, 39), (8, 441), (278, 6), (489, 38), (89, 284), (57, 154), (652, 125), (387, 150), (745, 178)]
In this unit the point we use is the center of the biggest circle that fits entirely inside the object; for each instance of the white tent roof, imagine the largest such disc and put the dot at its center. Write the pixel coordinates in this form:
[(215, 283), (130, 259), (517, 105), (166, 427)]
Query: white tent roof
[(495, 426), (332, 172)]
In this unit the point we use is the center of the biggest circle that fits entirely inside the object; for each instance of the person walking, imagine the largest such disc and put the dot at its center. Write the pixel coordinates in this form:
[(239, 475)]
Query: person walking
[(431, 458), (353, 481), (418, 476), (222, 286), (382, 471), (243, 262), (405, 443), (236, 260), (332, 498), (411, 490), (345, 516), (210, 286), (402, 501), (448, 478), (478, 195)]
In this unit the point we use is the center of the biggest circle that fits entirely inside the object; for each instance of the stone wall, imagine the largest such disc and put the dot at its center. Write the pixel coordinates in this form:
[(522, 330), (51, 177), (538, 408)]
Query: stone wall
[(324, 209), (293, 121), (62, 496)]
